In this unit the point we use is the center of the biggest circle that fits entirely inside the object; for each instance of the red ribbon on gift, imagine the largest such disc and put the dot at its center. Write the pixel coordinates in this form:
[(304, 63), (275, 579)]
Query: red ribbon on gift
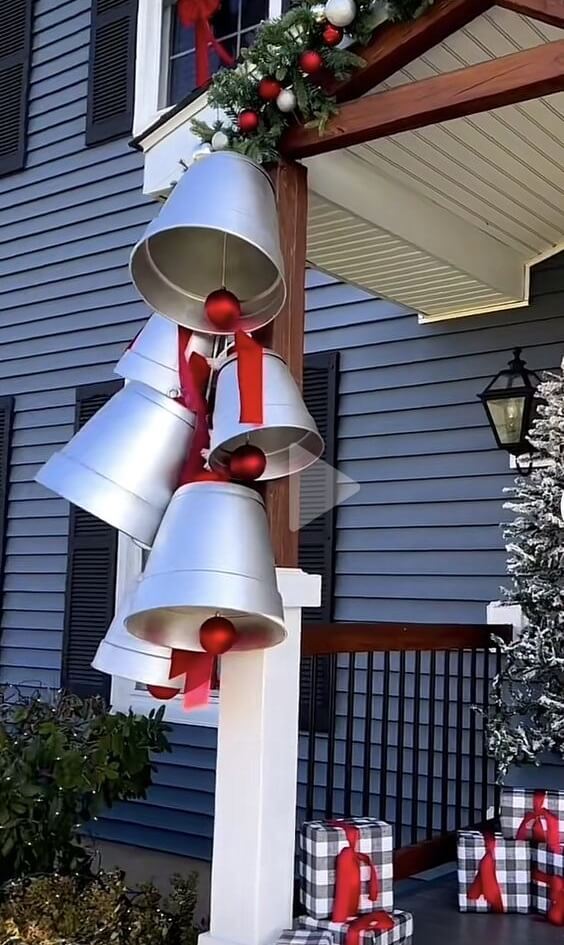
[(555, 885), (348, 875), (250, 378), (485, 883), (198, 13), (375, 921), (541, 824)]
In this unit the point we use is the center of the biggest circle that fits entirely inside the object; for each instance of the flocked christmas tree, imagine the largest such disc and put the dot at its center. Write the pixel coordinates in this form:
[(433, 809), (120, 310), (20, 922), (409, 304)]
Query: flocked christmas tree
[(527, 705)]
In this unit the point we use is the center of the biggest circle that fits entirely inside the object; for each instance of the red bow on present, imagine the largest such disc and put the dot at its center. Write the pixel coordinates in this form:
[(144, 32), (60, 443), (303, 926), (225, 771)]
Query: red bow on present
[(485, 883), (556, 889), (374, 921), (198, 13), (541, 824), (348, 878)]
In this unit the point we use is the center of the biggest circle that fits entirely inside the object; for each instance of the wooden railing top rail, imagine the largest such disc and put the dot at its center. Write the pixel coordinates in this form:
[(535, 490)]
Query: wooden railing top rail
[(319, 639)]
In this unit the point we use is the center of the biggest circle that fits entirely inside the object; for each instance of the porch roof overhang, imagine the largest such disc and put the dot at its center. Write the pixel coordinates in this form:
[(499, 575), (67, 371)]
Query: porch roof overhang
[(441, 180)]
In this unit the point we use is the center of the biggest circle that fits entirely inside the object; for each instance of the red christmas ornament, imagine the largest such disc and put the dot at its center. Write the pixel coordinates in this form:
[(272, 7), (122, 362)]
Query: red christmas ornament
[(222, 309), (163, 693), (310, 61), (247, 463), (269, 89), (248, 121), (217, 635), (332, 35)]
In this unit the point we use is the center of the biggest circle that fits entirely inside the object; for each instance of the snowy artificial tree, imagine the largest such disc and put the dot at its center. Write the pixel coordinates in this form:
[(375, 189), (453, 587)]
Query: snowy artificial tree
[(526, 717)]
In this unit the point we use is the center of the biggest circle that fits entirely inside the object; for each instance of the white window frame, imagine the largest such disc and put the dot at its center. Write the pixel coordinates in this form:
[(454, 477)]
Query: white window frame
[(152, 48), (124, 694)]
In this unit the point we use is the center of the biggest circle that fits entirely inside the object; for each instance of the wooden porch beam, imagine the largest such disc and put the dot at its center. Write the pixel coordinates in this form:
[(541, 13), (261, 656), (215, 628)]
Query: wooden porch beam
[(548, 11), (285, 335), (516, 78), (394, 45)]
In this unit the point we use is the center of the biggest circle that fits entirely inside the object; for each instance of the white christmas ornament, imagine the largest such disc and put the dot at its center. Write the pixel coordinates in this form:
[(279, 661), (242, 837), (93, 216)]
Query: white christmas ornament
[(219, 141), (286, 100), (340, 12), (318, 12)]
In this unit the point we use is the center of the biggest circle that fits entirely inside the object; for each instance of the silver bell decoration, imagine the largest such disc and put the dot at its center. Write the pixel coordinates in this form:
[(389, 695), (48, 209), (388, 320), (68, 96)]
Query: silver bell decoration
[(121, 654), (152, 358), (340, 12), (219, 227), (219, 141), (212, 556), (286, 100), (288, 435), (124, 464)]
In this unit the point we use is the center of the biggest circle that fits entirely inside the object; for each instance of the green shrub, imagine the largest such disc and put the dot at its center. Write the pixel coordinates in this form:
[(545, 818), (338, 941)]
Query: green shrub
[(61, 763)]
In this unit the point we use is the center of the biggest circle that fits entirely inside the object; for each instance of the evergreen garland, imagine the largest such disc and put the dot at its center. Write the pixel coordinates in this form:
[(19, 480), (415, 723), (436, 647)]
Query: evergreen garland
[(275, 53), (527, 704)]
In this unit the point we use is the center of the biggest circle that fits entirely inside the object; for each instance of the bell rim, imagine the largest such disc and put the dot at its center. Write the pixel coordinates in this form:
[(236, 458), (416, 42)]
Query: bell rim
[(274, 625), (106, 656), (219, 456)]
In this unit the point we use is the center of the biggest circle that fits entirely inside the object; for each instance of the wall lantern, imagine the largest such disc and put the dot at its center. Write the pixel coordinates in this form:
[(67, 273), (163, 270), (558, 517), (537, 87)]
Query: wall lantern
[(510, 402)]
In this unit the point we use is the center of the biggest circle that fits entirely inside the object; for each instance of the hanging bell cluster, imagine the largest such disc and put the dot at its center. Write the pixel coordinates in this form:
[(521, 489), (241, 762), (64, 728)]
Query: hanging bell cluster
[(159, 464)]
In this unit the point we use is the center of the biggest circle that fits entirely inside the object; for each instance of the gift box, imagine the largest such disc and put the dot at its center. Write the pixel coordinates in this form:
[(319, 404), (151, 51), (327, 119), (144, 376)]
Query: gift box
[(376, 928), (494, 874), (533, 815), (306, 937), (548, 883), (346, 868)]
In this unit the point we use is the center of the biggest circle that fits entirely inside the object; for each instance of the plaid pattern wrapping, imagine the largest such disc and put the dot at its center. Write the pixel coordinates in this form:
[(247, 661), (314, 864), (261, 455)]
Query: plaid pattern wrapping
[(306, 937), (320, 845), (516, 803), (401, 932), (512, 869), (550, 864)]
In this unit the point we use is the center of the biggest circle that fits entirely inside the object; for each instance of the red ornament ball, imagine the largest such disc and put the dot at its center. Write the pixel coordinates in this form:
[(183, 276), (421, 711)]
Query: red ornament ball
[(217, 635), (332, 35), (247, 463), (222, 309), (269, 89), (310, 61), (163, 693), (248, 121)]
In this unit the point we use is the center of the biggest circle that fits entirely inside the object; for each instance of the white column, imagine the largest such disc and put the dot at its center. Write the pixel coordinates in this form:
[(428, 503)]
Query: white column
[(255, 798)]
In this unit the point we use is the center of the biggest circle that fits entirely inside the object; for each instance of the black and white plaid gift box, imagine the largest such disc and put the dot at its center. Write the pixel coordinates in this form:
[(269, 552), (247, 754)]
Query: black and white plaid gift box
[(522, 813), (320, 844), (401, 932), (545, 864), (306, 937), (512, 859)]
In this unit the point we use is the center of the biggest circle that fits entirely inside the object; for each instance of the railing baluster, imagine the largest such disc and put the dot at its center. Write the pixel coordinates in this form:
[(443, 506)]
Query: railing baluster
[(349, 737), (445, 752), (367, 773), (497, 788), (310, 796), (400, 751), (329, 793), (485, 758), (431, 745), (458, 823), (472, 741), (384, 738), (415, 753)]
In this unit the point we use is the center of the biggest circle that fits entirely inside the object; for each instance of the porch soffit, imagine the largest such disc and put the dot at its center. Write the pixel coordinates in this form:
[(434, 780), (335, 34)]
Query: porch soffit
[(449, 219)]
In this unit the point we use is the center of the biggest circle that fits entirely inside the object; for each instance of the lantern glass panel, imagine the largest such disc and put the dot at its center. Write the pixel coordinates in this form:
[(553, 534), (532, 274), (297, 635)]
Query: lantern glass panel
[(507, 416)]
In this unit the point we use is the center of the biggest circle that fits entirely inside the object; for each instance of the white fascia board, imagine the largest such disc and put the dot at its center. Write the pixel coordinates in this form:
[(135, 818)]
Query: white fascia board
[(171, 144), (350, 182)]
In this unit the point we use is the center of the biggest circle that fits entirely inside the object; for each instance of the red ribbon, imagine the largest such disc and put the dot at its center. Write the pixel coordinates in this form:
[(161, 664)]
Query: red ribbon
[(194, 376), (198, 13), (198, 671), (541, 824), (485, 883), (348, 876), (375, 921), (250, 378), (556, 890)]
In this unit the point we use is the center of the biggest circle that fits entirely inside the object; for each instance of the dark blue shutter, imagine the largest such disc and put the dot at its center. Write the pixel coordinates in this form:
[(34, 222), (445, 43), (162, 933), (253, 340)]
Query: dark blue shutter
[(111, 76), (15, 56), (6, 415)]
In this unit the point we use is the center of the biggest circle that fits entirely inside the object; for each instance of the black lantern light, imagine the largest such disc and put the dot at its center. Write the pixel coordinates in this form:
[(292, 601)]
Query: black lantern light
[(510, 402)]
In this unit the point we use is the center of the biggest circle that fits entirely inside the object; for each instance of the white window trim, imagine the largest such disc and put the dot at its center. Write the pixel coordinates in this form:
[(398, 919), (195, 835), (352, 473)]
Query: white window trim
[(151, 48), (124, 695)]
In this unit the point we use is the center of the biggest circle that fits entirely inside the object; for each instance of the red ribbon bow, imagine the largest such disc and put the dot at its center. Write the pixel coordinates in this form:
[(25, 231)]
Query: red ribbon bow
[(348, 877), (194, 375), (375, 921), (541, 824), (250, 378), (198, 13), (485, 883), (556, 888)]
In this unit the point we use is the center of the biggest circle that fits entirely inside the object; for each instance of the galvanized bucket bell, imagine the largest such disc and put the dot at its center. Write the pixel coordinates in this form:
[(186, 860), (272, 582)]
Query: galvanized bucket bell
[(121, 654), (288, 436), (212, 556), (218, 228), (124, 464), (152, 358)]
